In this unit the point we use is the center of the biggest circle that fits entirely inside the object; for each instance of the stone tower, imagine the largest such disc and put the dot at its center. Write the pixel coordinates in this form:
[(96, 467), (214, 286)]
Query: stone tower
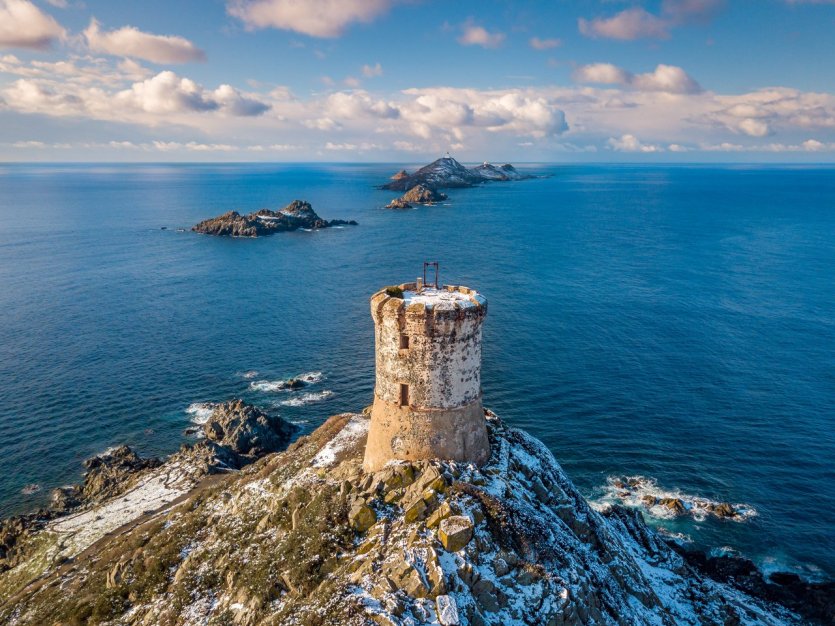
[(427, 397)]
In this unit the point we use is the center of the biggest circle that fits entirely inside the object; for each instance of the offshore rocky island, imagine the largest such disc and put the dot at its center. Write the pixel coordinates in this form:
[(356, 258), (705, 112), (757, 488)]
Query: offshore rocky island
[(422, 186), (425, 508), (296, 215)]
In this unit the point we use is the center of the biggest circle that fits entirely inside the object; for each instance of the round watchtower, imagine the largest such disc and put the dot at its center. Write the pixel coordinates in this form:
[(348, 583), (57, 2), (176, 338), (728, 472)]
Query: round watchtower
[(427, 397)]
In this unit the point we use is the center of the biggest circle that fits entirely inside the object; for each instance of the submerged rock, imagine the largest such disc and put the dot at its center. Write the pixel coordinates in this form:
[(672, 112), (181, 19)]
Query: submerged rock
[(297, 214)]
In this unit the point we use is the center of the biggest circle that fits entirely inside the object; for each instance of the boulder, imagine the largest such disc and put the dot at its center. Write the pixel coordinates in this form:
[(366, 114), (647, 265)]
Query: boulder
[(455, 532), (361, 517), (447, 611)]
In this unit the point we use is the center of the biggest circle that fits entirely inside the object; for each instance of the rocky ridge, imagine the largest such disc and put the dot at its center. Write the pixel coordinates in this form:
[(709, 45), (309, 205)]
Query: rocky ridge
[(446, 172), (306, 537), (298, 214)]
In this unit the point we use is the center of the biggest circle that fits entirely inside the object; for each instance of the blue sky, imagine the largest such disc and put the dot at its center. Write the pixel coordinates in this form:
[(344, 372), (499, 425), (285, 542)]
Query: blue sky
[(388, 80)]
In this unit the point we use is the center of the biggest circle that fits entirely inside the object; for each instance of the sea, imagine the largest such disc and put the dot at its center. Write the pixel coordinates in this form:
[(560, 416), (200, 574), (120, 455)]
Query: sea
[(670, 324)]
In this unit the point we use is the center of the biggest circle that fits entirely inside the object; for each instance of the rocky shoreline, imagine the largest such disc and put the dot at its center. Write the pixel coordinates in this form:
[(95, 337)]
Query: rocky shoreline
[(296, 215), (306, 536), (235, 435)]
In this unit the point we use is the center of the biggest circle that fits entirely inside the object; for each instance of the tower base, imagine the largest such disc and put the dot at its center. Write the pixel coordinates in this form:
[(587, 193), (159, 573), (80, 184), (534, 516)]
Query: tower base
[(409, 434)]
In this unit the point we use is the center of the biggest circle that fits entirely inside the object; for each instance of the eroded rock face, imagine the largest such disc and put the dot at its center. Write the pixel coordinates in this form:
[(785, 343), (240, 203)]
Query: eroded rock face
[(297, 214), (246, 431)]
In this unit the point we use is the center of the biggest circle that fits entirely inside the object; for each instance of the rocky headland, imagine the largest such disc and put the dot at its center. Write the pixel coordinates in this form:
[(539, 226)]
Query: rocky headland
[(419, 194), (298, 214), (306, 537), (446, 173)]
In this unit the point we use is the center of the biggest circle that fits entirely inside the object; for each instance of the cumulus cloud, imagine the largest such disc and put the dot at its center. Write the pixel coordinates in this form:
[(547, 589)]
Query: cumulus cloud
[(630, 143), (168, 93), (23, 25), (629, 24), (667, 78), (132, 42), (317, 18), (544, 44), (638, 23), (474, 35), (159, 96)]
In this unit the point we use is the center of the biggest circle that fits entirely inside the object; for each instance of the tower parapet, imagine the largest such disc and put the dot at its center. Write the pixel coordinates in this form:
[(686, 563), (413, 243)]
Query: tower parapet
[(427, 397)]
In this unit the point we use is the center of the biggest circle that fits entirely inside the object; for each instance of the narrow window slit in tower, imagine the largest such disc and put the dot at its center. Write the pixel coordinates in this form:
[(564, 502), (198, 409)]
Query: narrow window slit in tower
[(404, 341), (404, 395)]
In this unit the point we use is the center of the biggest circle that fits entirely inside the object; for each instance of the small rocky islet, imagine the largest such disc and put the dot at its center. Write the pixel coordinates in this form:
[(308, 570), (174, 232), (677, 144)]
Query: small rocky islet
[(306, 536), (299, 214), (422, 187)]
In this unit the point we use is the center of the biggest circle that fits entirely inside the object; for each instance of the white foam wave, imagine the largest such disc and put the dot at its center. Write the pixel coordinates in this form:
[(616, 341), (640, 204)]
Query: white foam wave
[(28, 490), (200, 412), (644, 493), (308, 378), (307, 398), (249, 374)]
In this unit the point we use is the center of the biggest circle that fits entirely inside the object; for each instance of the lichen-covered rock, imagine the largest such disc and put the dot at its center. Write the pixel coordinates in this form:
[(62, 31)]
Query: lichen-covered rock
[(362, 517), (297, 214), (455, 532)]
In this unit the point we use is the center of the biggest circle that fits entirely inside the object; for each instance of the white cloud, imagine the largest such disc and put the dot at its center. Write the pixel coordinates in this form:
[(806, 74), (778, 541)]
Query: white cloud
[(630, 143), (168, 93), (629, 24), (667, 78), (638, 23), (23, 25), (132, 42), (544, 44), (754, 128), (59, 4), (474, 35), (317, 18), (371, 71)]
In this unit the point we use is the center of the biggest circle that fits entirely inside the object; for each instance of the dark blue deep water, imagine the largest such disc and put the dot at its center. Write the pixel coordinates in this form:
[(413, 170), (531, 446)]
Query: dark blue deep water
[(676, 323)]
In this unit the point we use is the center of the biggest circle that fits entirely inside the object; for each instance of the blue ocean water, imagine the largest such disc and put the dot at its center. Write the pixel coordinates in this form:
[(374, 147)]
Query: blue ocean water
[(676, 323)]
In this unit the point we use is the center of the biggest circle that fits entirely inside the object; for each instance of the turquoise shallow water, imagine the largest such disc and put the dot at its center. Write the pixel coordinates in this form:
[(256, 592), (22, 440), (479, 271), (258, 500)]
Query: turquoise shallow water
[(676, 323)]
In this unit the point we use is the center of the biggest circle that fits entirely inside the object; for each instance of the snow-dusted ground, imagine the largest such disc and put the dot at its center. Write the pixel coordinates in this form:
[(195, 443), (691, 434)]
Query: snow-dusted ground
[(154, 490), (356, 428)]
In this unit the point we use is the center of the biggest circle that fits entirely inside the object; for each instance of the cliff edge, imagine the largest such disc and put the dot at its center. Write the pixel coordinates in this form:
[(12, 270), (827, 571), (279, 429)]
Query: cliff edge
[(306, 537)]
